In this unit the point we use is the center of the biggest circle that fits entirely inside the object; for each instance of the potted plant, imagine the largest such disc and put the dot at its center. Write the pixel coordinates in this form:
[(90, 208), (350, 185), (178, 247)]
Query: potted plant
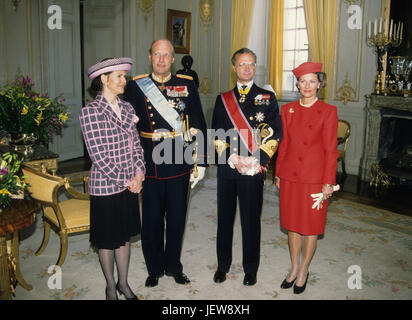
[(27, 116)]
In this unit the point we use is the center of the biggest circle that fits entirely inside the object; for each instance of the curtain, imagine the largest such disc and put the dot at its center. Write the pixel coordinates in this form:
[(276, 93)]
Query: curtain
[(276, 46), (242, 14), (321, 24)]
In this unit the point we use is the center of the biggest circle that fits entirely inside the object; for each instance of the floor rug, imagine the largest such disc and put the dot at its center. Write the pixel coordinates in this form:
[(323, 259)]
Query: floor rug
[(365, 253)]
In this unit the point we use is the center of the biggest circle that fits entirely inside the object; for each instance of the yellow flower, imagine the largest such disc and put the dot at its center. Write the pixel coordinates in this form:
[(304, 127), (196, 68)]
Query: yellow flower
[(63, 117), (39, 118), (25, 110), (4, 191)]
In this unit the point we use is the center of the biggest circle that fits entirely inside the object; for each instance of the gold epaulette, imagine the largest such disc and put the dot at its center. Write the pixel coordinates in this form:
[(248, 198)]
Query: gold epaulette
[(141, 76), (183, 76)]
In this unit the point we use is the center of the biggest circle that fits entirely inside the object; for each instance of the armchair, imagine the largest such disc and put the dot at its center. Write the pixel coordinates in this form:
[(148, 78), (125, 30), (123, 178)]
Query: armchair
[(65, 217)]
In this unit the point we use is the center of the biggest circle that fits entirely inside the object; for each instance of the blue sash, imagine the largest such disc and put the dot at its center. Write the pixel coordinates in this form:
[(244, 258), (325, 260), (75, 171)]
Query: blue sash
[(160, 103)]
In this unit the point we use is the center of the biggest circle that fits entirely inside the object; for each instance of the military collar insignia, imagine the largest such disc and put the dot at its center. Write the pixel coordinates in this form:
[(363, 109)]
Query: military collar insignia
[(162, 80)]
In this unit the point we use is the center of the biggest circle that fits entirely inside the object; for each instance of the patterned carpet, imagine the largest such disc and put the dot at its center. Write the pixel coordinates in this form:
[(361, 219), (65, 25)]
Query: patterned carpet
[(365, 253)]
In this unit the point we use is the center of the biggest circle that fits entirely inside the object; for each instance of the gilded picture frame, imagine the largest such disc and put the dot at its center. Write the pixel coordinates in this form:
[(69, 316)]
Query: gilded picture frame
[(178, 30)]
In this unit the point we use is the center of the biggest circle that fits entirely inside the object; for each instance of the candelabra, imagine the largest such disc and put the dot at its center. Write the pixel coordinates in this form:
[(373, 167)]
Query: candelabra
[(382, 41)]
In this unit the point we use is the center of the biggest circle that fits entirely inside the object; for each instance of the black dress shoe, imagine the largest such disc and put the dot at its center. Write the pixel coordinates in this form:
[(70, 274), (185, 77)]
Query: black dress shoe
[(180, 278), (299, 290), (133, 297), (219, 276), (152, 281), (286, 285), (249, 280)]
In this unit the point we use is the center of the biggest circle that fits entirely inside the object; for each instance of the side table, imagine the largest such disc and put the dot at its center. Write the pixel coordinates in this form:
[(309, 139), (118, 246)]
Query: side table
[(40, 156), (20, 215)]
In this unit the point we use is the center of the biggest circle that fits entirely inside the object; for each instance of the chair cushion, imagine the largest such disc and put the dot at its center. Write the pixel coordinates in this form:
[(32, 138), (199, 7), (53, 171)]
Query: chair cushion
[(75, 212)]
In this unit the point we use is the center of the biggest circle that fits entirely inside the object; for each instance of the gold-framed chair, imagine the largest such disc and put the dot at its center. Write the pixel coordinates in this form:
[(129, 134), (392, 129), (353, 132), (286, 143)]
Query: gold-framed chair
[(343, 139), (65, 217)]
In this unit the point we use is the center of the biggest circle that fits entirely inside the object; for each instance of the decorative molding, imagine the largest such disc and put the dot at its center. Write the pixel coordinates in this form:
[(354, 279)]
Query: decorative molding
[(146, 6), (206, 13), (348, 59), (205, 85), (346, 93)]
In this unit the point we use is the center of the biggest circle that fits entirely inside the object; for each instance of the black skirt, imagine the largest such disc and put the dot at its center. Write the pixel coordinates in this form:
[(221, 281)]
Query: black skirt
[(114, 219)]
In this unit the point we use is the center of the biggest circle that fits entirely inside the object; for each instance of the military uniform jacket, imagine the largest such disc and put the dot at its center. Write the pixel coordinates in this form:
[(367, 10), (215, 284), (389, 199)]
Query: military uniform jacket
[(176, 90), (261, 110)]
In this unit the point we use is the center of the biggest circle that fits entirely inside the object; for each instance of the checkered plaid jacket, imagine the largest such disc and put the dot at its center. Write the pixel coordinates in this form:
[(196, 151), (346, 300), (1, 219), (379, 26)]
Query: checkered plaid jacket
[(113, 145)]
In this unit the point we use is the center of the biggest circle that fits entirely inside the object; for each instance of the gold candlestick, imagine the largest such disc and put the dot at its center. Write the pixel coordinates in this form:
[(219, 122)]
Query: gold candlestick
[(382, 41)]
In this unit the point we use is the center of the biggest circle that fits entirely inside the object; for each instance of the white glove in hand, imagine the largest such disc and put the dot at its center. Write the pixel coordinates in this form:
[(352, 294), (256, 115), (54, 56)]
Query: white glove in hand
[(200, 176), (318, 198)]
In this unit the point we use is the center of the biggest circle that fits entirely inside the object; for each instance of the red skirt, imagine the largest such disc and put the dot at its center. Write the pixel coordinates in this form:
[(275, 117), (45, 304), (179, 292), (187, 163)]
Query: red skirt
[(296, 213)]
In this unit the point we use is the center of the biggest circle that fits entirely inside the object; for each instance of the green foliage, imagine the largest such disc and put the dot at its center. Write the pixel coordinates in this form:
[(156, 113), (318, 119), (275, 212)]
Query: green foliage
[(24, 110), (11, 182)]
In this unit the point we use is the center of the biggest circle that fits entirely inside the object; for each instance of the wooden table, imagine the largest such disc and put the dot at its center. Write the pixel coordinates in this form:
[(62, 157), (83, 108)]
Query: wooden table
[(20, 215)]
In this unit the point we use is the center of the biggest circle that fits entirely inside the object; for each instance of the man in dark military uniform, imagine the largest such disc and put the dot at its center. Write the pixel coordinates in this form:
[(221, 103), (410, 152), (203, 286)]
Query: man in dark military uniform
[(170, 114), (252, 115)]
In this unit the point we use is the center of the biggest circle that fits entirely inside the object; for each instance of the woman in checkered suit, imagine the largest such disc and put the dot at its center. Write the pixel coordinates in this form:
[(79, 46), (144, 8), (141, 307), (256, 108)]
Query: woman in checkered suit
[(109, 130)]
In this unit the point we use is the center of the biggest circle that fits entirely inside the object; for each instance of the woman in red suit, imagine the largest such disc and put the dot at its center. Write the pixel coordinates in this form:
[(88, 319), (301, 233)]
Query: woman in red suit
[(306, 164)]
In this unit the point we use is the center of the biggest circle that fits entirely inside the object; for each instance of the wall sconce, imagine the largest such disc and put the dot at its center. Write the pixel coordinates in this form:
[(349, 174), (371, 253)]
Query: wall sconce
[(15, 4)]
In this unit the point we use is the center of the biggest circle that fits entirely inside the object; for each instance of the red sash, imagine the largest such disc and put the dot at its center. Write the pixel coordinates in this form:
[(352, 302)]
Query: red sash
[(239, 121)]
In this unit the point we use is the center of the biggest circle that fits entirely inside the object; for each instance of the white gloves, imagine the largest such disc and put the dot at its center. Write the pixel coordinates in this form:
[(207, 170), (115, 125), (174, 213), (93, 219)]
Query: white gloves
[(244, 165), (318, 198), (200, 176)]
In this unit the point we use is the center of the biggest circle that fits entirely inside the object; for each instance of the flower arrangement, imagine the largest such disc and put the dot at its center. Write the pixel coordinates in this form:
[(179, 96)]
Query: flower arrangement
[(12, 185), (23, 110)]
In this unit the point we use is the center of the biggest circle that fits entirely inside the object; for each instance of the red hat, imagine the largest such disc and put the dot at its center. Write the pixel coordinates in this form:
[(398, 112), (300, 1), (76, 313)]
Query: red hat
[(307, 67)]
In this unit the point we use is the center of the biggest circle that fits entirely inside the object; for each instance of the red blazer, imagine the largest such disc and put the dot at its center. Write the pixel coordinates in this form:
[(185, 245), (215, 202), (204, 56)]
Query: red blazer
[(308, 152)]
